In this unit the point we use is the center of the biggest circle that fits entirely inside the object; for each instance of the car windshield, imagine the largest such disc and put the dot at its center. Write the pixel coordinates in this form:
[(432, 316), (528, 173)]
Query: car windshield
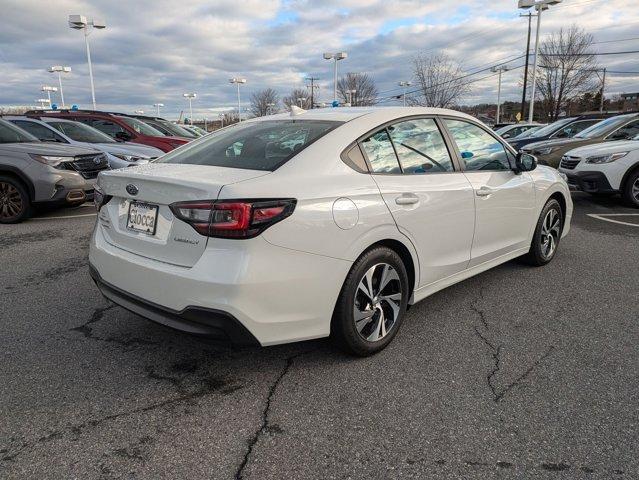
[(601, 128), (264, 145), (81, 132), (175, 130), (551, 128), (532, 131), (9, 133), (141, 127)]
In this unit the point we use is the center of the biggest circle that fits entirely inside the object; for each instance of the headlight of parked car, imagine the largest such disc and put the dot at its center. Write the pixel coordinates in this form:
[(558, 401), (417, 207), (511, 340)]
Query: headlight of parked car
[(52, 161), (544, 151), (129, 158), (606, 158)]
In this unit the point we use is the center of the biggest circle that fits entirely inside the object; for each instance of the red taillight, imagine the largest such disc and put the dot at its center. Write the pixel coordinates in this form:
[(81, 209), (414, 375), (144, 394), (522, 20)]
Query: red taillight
[(233, 219)]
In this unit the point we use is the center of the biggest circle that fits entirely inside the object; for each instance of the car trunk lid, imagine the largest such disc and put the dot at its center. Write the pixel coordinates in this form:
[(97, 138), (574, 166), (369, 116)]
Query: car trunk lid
[(148, 190)]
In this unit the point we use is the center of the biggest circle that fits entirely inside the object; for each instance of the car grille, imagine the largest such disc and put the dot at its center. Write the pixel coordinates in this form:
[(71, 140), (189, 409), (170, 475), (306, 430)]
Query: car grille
[(90, 165), (569, 163)]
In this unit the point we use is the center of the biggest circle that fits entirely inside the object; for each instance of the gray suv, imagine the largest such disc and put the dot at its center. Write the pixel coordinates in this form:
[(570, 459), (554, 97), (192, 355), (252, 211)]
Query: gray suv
[(38, 173)]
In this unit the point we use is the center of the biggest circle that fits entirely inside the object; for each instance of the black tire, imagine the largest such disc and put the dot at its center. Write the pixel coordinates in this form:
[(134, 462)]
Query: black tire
[(15, 205), (631, 190), (380, 261), (540, 253)]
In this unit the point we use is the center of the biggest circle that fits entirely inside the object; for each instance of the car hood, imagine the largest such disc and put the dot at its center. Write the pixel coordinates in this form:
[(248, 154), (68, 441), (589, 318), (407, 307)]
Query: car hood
[(605, 148), (130, 149), (45, 148), (556, 142)]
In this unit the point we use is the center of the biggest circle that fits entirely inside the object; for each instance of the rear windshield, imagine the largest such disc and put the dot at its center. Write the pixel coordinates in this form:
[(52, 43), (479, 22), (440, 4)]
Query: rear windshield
[(252, 145)]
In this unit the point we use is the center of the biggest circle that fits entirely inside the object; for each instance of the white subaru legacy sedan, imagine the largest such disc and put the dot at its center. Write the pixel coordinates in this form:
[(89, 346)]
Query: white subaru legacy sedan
[(322, 222)]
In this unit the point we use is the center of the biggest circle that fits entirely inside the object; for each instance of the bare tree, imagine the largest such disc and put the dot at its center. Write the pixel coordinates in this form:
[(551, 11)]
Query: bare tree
[(365, 91), (567, 70), (264, 102), (438, 80), (299, 97)]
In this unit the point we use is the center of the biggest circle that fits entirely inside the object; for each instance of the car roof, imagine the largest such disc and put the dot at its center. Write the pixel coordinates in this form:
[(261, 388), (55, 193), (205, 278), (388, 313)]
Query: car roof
[(346, 114)]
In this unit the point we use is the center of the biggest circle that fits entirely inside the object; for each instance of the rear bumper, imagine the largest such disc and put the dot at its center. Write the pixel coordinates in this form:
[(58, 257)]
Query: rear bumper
[(198, 321), (276, 295), (590, 182)]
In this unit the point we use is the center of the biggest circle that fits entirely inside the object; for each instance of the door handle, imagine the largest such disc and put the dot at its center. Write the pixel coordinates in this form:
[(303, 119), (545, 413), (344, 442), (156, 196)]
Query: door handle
[(484, 191), (407, 199)]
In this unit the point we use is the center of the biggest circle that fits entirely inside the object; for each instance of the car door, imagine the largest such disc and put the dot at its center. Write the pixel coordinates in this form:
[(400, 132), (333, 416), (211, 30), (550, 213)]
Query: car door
[(504, 200), (429, 198)]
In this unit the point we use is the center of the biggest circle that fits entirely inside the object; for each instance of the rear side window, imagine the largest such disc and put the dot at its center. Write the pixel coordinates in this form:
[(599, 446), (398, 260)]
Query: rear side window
[(380, 153), (262, 145), (105, 126), (420, 146)]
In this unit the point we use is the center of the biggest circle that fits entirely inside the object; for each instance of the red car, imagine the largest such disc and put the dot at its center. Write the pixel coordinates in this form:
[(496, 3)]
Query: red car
[(120, 127)]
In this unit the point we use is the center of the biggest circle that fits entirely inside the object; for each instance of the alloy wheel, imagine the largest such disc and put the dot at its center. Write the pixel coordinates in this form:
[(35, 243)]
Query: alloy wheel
[(550, 230), (635, 190), (11, 202), (377, 302)]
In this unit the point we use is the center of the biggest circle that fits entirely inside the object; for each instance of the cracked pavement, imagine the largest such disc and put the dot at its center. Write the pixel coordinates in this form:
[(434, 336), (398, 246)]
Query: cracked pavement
[(516, 373)]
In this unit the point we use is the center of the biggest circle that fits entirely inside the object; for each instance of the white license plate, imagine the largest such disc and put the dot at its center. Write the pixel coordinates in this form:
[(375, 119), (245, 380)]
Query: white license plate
[(142, 217)]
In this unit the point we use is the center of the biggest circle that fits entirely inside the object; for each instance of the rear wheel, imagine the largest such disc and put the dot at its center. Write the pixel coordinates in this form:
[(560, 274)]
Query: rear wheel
[(372, 302), (547, 235), (631, 190), (14, 200)]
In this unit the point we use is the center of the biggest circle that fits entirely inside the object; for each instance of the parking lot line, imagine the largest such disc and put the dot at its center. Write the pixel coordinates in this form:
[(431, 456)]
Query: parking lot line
[(602, 216)]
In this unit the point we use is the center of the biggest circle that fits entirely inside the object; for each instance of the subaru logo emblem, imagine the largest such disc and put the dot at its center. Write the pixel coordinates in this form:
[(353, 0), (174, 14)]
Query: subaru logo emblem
[(132, 189), (97, 160)]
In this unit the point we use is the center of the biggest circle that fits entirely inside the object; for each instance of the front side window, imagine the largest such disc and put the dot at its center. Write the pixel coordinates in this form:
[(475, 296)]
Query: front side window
[(381, 156), (573, 129), (261, 145), (479, 150), (40, 132), (9, 133), (81, 132), (626, 132), (420, 146), (141, 127), (106, 126)]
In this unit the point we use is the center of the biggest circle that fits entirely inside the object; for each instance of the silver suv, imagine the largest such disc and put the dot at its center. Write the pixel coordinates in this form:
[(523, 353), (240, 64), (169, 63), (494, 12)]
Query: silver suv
[(37, 173)]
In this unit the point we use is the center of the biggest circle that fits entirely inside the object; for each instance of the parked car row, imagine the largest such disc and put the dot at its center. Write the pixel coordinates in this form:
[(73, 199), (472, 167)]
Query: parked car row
[(598, 153), (53, 157)]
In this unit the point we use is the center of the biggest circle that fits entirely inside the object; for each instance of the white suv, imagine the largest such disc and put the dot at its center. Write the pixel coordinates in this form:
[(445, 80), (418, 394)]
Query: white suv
[(331, 221), (610, 167)]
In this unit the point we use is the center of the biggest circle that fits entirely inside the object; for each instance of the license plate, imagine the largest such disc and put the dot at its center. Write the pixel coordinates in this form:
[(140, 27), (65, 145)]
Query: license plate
[(142, 217)]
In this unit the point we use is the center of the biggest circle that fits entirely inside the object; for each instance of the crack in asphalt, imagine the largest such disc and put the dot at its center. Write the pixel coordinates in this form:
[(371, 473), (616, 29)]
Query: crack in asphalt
[(495, 351), (209, 386), (265, 425)]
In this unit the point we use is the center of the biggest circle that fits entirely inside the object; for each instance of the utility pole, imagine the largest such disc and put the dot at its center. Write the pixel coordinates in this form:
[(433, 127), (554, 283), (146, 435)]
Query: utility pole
[(312, 86), (603, 87), (523, 93)]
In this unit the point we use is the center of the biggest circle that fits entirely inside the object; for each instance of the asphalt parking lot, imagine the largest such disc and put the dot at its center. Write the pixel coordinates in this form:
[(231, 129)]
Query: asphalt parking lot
[(517, 373)]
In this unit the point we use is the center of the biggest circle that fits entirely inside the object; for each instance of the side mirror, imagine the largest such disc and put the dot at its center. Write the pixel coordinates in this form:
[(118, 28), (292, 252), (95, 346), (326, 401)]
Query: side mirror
[(525, 162), (123, 136)]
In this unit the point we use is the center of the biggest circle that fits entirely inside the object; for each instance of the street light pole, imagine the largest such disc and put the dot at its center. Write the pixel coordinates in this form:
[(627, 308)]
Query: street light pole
[(540, 6), (48, 89), (405, 85), (80, 22), (500, 69), (190, 96), (335, 57), (238, 81), (157, 106), (59, 69)]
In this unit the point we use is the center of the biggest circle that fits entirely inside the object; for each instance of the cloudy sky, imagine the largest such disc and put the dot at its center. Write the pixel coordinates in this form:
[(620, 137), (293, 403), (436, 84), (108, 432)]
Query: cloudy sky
[(153, 51)]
